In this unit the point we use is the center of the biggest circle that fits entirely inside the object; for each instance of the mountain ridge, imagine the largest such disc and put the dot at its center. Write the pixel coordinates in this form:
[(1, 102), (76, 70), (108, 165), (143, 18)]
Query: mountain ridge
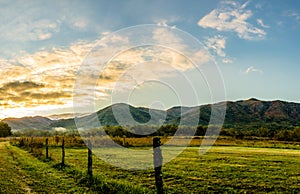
[(251, 113)]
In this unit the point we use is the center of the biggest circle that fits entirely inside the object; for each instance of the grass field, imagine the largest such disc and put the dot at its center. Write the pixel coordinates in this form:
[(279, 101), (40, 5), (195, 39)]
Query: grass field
[(20, 172), (230, 168), (222, 169)]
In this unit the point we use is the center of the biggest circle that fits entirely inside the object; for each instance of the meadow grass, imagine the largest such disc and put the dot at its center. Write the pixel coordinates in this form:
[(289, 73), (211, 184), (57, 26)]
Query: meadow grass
[(230, 166), (229, 169), (21, 172)]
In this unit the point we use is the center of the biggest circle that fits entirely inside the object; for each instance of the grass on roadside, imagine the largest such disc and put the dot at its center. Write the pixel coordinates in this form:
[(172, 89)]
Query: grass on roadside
[(25, 173)]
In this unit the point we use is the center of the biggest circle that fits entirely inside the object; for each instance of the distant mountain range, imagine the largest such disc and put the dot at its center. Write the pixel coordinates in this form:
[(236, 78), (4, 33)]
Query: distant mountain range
[(36, 122), (241, 114), (64, 116)]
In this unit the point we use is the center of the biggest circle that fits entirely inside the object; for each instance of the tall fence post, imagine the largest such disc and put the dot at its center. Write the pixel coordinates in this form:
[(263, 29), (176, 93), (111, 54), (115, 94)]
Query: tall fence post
[(63, 152), (90, 159), (157, 160), (47, 147)]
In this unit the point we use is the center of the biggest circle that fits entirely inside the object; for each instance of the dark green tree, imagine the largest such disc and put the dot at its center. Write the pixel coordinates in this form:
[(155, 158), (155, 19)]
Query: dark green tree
[(297, 133), (263, 132), (5, 130)]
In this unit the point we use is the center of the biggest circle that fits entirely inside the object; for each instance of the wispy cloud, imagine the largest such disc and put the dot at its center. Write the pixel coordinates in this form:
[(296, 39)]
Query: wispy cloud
[(42, 78), (252, 69), (217, 44), (261, 23), (132, 67), (34, 25), (259, 6), (32, 30), (227, 60), (167, 21), (293, 14), (232, 17), (47, 77), (162, 22), (29, 94)]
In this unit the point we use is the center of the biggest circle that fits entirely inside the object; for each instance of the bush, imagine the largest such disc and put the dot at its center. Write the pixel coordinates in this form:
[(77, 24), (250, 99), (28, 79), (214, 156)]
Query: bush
[(5, 130)]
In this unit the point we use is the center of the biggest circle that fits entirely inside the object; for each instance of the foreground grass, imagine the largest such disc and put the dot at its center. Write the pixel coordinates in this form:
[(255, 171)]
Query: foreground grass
[(240, 166), (20, 172), (236, 169), (224, 169)]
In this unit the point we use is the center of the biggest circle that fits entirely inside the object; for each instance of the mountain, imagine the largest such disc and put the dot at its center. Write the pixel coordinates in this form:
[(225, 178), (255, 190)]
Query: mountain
[(125, 114), (64, 116), (262, 113), (251, 113), (36, 122)]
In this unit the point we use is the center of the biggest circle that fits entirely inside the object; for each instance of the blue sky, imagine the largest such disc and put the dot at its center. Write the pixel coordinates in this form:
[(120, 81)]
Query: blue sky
[(254, 43)]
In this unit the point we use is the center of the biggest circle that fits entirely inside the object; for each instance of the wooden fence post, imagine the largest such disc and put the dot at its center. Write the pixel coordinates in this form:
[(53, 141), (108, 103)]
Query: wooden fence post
[(90, 159), (47, 144), (63, 152), (157, 159)]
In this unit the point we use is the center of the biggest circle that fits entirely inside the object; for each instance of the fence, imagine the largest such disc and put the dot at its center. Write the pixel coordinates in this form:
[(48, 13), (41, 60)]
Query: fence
[(34, 145)]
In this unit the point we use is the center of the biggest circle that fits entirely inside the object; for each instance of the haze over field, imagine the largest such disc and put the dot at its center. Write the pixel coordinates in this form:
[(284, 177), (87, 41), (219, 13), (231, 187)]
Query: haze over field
[(43, 43)]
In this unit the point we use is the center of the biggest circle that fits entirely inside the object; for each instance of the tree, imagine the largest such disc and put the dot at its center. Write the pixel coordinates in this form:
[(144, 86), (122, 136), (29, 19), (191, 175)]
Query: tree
[(285, 135), (263, 132), (297, 133), (5, 129)]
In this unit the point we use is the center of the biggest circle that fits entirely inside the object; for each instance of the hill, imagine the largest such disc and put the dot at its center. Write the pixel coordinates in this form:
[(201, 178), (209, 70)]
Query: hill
[(36, 122), (240, 114), (250, 113), (256, 113)]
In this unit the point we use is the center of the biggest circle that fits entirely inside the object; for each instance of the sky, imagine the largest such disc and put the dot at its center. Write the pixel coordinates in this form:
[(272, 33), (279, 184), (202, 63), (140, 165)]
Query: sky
[(52, 52)]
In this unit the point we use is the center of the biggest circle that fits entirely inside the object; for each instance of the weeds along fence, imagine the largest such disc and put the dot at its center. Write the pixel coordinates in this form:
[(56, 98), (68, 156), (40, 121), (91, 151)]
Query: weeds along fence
[(78, 141), (36, 145)]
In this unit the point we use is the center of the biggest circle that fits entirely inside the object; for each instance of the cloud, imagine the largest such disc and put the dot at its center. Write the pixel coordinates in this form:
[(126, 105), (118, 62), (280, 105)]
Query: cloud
[(164, 22), (232, 17), (145, 63), (47, 78), (44, 78), (261, 23), (29, 94), (34, 25), (293, 14), (132, 64), (42, 29), (217, 44), (132, 67), (166, 36), (29, 30), (20, 86), (252, 69), (258, 6), (227, 60), (81, 23)]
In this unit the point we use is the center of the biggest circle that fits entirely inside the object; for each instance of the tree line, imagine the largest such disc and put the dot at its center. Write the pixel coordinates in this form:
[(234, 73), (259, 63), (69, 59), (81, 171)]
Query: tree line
[(290, 134), (201, 130)]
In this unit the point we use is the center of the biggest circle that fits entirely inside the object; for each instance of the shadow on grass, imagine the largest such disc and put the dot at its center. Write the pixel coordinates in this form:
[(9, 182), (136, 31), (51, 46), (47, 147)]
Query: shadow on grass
[(98, 183)]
